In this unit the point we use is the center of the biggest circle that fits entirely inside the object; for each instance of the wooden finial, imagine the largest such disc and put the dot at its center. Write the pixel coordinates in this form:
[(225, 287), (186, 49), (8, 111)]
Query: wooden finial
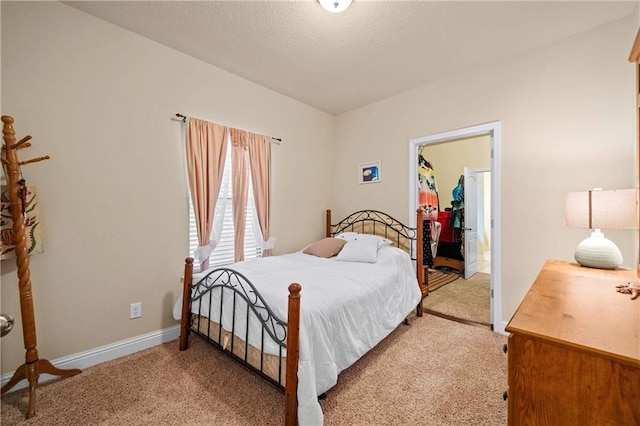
[(294, 290)]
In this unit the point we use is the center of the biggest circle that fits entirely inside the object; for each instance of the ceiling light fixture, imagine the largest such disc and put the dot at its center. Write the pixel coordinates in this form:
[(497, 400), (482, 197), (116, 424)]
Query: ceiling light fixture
[(335, 6)]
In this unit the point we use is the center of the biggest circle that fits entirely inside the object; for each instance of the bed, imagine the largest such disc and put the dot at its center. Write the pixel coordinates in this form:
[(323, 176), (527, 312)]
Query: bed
[(336, 309)]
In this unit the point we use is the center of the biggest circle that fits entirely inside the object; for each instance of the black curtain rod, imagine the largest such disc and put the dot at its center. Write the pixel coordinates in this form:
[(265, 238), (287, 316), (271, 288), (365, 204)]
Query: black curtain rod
[(184, 120)]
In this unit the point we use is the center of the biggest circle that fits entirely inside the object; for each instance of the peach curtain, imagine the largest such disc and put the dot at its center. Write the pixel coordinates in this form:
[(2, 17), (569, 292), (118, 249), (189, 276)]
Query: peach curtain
[(240, 187), (260, 163), (206, 150)]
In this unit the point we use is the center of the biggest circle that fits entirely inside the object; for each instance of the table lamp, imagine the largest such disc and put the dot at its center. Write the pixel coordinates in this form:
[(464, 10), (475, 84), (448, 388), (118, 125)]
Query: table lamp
[(598, 209)]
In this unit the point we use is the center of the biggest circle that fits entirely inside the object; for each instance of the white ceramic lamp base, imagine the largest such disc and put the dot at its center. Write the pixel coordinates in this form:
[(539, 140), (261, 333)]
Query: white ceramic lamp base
[(598, 252)]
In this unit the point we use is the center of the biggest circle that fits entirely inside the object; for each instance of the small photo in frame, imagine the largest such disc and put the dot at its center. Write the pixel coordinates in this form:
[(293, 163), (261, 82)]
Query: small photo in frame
[(369, 172)]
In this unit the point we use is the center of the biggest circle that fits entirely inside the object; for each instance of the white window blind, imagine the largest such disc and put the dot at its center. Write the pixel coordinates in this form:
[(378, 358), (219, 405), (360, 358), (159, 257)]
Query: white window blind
[(224, 252)]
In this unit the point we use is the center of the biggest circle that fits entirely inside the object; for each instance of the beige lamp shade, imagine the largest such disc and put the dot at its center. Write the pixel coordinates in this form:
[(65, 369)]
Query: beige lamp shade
[(598, 209)]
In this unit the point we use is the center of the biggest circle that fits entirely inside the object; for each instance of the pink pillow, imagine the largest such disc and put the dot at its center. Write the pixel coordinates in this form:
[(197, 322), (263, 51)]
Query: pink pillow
[(327, 247)]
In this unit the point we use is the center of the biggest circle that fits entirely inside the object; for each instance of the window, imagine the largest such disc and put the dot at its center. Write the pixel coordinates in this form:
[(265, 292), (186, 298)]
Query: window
[(224, 252)]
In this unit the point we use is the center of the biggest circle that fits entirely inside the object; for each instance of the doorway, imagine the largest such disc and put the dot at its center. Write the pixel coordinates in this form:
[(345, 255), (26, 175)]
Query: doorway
[(488, 180)]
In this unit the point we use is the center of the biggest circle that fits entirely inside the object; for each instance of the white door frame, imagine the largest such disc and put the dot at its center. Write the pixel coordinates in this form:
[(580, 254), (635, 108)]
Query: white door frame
[(494, 130)]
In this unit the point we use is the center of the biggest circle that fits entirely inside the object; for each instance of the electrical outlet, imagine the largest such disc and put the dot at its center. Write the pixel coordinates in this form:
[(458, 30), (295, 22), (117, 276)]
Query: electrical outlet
[(135, 310)]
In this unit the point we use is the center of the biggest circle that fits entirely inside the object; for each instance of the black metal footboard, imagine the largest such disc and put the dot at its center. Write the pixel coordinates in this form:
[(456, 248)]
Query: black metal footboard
[(225, 293), (245, 299)]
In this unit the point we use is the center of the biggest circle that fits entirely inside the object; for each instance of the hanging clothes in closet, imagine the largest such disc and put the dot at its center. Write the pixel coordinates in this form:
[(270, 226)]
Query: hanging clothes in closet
[(457, 205), (457, 213), (427, 200)]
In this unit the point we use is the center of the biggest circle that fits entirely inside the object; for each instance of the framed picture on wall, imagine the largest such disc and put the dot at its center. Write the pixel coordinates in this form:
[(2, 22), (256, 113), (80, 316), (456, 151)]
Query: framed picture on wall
[(369, 172)]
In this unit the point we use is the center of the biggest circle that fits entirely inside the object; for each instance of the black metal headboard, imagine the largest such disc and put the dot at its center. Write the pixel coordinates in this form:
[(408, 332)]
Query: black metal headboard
[(377, 223)]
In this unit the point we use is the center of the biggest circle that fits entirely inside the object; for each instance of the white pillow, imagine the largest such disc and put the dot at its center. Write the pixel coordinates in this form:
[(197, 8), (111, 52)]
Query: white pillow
[(348, 236), (380, 241), (363, 250)]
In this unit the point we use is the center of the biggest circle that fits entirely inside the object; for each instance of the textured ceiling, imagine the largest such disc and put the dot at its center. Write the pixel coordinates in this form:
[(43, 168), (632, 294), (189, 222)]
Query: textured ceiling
[(373, 50)]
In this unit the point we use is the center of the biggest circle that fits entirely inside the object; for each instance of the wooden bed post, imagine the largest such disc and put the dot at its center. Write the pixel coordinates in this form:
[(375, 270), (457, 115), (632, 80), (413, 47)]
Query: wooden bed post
[(419, 256), (186, 295), (293, 348), (328, 224)]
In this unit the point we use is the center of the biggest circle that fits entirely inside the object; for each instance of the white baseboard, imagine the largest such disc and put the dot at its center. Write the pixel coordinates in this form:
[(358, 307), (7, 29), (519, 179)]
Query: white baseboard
[(105, 353), (500, 328)]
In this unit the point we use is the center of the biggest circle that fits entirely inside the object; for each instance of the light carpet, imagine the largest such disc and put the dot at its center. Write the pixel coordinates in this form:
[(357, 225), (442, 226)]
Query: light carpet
[(463, 299), (432, 372)]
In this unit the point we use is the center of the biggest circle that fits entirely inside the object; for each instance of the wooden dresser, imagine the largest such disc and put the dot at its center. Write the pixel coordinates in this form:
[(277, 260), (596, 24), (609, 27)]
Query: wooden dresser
[(574, 350)]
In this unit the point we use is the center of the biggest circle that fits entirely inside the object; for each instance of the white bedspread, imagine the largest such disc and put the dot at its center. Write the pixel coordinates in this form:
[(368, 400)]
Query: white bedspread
[(346, 309)]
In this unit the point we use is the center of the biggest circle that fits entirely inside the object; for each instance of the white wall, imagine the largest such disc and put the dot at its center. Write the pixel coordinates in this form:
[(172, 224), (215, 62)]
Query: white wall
[(567, 113), (113, 198)]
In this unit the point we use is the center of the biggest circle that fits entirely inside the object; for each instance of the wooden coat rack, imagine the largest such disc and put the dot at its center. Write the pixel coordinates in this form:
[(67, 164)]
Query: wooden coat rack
[(33, 366)]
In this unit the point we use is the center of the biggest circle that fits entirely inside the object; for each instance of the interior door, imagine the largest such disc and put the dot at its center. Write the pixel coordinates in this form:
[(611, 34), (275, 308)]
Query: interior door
[(470, 222)]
